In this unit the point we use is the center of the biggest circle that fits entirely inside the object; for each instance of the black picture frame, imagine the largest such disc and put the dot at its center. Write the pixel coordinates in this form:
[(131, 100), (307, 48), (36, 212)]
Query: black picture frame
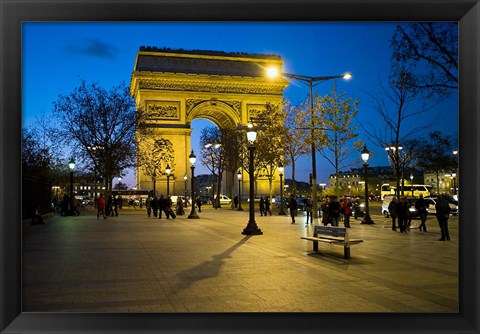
[(13, 13)]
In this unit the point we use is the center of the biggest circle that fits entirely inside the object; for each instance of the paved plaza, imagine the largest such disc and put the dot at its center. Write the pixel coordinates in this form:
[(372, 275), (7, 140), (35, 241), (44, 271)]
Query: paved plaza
[(132, 263)]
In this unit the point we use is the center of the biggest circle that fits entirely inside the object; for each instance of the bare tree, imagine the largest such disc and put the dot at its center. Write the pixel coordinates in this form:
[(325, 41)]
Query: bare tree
[(99, 126), (429, 51), (212, 157), (393, 106)]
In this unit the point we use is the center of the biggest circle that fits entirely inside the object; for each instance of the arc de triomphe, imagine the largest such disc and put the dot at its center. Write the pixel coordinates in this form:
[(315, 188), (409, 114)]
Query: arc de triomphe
[(174, 87)]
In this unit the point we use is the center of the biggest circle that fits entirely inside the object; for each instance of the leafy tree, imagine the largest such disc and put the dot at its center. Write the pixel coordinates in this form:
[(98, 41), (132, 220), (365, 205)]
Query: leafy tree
[(99, 126), (435, 155), (336, 144), (270, 143), (234, 149), (296, 137), (429, 52)]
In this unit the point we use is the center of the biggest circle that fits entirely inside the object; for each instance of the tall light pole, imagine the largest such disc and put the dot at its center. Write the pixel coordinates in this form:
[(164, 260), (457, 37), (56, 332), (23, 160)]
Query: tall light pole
[(365, 155), (311, 82), (193, 158), (395, 157), (251, 228), (71, 165), (454, 175), (239, 177), (282, 211), (154, 178), (168, 171), (411, 183), (185, 178)]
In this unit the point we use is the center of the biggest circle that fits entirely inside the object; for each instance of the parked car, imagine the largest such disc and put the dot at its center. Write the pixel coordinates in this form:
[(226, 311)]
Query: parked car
[(255, 199), (285, 202), (205, 200), (224, 199), (388, 198), (302, 203), (431, 206), (174, 199), (358, 208)]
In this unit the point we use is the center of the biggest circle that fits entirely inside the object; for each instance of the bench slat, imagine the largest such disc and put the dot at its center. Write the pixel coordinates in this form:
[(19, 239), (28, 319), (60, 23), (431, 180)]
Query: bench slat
[(333, 235)]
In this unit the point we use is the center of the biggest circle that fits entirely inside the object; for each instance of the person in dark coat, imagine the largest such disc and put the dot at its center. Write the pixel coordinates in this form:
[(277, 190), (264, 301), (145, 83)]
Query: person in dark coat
[(403, 214), (155, 206), (199, 204), (309, 210), (442, 209), (235, 201), (262, 206), (326, 211), (293, 206), (421, 206), (335, 211), (392, 210), (267, 206), (162, 206)]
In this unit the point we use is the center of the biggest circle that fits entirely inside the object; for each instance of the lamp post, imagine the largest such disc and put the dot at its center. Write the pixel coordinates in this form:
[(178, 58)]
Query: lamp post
[(168, 171), (185, 178), (365, 156), (193, 214), (251, 228), (154, 178), (282, 211), (239, 177), (71, 165), (411, 183), (454, 185), (311, 82)]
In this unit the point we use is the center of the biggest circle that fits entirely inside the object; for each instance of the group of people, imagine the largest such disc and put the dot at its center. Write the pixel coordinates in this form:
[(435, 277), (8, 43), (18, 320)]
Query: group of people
[(265, 206), (158, 205), (335, 210), (107, 207), (401, 211)]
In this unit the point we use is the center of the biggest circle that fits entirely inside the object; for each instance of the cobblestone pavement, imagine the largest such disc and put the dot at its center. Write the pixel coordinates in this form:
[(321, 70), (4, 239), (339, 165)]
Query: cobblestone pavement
[(132, 263)]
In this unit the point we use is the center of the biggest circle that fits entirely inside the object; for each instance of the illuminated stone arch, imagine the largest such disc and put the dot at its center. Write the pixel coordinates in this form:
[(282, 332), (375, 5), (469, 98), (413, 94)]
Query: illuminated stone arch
[(175, 87)]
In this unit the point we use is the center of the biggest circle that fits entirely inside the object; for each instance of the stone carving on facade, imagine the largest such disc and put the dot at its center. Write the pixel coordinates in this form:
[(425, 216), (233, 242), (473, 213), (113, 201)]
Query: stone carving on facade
[(156, 155), (234, 106), (253, 110), (161, 110), (209, 88)]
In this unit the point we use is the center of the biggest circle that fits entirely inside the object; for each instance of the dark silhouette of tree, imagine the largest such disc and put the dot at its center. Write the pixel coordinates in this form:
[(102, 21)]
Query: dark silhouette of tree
[(435, 155), (99, 126), (429, 52)]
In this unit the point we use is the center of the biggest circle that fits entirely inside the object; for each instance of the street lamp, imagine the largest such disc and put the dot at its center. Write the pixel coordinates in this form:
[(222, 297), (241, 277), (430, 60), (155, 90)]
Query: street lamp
[(154, 178), (185, 178), (411, 182), (365, 156), (193, 214), (282, 211), (311, 82), (239, 177), (71, 165), (251, 228), (168, 171), (118, 184)]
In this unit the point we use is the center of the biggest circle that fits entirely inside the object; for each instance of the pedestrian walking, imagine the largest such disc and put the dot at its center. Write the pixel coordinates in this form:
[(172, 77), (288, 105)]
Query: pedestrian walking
[(402, 214), (148, 205), (262, 206), (293, 206), (442, 209), (392, 211), (335, 211), (309, 210), (235, 201), (110, 206), (421, 206), (199, 204), (162, 207), (326, 211), (180, 210), (347, 212), (101, 207), (267, 206), (155, 206)]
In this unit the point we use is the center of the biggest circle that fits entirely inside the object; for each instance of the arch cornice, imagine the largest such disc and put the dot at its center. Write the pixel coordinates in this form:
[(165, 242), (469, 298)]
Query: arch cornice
[(222, 113), (206, 84)]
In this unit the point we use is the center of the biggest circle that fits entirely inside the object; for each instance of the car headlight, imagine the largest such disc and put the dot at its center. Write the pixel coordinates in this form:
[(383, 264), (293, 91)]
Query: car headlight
[(362, 205)]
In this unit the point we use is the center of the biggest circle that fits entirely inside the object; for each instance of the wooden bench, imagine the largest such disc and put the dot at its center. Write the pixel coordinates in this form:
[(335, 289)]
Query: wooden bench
[(332, 235)]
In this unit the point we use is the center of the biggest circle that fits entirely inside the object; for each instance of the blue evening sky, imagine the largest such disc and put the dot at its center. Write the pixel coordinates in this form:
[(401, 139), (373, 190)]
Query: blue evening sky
[(56, 56)]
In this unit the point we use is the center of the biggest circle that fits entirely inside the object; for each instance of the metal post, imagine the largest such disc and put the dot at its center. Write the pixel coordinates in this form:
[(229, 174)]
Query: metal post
[(282, 210), (252, 228), (239, 196), (193, 214), (367, 219)]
